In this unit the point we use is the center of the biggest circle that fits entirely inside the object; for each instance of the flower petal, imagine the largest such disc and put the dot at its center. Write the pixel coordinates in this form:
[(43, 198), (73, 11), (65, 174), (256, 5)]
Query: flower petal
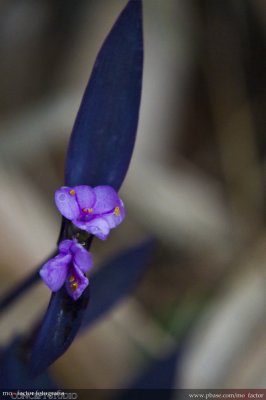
[(65, 245), (81, 257), (85, 196), (76, 282), (66, 202), (54, 271), (117, 216), (106, 199), (97, 226)]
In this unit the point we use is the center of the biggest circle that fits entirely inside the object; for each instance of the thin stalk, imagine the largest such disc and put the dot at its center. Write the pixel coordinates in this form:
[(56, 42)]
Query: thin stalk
[(22, 287)]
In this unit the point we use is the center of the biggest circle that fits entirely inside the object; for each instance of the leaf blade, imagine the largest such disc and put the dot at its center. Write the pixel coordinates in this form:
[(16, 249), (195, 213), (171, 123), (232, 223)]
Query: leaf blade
[(116, 279), (99, 153), (59, 327), (14, 371), (104, 132)]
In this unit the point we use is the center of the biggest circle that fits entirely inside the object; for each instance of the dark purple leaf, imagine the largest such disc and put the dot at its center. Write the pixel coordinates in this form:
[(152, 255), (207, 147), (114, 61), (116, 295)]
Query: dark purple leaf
[(160, 375), (104, 132), (59, 328), (14, 372), (157, 382), (99, 153), (116, 279)]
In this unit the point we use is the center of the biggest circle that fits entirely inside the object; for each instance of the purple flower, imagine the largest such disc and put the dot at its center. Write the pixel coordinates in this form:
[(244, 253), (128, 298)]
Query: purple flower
[(68, 267), (95, 210)]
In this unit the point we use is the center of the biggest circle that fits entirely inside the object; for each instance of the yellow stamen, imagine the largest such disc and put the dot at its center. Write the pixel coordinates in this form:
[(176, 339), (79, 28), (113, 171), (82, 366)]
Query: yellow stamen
[(117, 211), (72, 192), (71, 279), (74, 286), (87, 210)]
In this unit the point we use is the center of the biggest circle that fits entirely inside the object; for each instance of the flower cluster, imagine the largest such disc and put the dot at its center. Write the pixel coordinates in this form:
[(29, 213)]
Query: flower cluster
[(94, 210)]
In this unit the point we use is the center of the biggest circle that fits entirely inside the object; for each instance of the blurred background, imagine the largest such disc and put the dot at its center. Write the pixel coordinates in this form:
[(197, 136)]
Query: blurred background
[(196, 183)]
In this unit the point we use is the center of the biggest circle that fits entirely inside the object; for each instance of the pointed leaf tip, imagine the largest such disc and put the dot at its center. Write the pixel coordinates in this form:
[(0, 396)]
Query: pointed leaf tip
[(103, 135)]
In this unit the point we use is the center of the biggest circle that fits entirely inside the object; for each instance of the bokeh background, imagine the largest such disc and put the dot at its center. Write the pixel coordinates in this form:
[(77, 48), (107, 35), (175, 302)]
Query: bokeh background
[(196, 183)]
